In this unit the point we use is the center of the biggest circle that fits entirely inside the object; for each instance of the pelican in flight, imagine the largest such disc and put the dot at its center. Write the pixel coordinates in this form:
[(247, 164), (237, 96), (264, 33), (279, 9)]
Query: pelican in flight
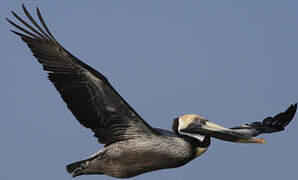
[(132, 146)]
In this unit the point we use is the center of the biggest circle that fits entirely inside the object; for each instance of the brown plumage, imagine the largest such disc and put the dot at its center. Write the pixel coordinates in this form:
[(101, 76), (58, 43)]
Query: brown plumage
[(132, 146)]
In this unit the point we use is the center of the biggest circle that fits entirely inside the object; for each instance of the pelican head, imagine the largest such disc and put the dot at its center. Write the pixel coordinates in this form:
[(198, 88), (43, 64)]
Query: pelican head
[(199, 127)]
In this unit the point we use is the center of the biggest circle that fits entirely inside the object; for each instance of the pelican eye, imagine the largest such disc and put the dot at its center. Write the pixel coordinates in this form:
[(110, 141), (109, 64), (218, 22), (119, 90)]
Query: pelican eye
[(200, 122)]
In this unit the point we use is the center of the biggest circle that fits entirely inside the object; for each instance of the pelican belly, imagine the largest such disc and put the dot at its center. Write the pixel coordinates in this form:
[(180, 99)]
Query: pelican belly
[(134, 157)]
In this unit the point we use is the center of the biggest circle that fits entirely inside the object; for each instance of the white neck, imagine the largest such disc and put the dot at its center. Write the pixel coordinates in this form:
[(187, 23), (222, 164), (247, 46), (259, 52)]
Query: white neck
[(197, 136)]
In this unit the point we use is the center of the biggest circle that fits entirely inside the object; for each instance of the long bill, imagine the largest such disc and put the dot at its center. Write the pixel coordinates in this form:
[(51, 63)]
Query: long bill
[(216, 131)]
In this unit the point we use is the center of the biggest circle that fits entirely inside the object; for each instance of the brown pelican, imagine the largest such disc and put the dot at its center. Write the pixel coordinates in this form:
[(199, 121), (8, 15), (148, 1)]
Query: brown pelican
[(132, 146)]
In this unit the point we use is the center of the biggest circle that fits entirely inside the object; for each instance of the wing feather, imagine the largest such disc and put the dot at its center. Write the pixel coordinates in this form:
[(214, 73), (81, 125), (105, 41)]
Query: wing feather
[(87, 93), (269, 124)]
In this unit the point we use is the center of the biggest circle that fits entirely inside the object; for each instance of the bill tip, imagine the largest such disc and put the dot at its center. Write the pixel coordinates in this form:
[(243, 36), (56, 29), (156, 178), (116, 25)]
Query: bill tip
[(263, 141)]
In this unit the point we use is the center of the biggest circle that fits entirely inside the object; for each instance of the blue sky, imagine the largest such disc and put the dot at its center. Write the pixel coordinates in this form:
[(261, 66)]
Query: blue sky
[(233, 62)]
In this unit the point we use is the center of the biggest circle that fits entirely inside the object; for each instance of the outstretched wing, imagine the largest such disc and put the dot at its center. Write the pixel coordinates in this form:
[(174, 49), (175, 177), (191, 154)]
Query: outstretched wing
[(269, 124), (87, 93)]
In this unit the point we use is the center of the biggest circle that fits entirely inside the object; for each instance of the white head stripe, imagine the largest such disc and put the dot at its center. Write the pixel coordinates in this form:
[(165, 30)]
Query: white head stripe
[(181, 124)]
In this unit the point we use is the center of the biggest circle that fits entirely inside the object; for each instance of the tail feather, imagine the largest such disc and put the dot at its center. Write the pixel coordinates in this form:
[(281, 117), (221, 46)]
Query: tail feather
[(75, 168)]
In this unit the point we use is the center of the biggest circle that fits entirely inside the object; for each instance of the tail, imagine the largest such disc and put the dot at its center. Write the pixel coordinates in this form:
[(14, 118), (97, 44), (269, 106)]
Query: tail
[(75, 169), (87, 166)]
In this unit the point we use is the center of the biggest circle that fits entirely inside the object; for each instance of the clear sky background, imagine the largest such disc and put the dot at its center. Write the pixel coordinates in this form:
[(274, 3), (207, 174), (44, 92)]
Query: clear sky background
[(231, 61)]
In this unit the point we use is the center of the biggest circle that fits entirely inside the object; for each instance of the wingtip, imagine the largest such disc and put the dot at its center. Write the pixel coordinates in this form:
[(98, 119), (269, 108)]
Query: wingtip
[(6, 19), (37, 10), (294, 105), (12, 12), (290, 113), (14, 31), (23, 6), (293, 108), (25, 9), (10, 22), (17, 33)]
